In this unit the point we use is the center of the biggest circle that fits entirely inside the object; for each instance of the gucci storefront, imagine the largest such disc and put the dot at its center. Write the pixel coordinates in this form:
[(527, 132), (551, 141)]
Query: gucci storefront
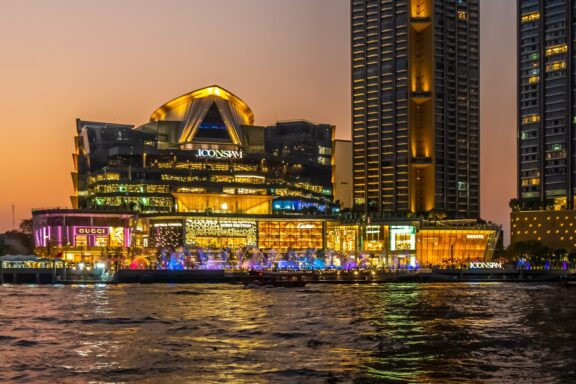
[(82, 236)]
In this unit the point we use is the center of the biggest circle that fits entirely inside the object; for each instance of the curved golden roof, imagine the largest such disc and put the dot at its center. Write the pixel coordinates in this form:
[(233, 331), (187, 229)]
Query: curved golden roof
[(177, 106)]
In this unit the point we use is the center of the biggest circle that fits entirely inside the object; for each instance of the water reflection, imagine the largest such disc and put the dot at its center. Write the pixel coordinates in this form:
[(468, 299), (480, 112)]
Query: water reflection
[(433, 333)]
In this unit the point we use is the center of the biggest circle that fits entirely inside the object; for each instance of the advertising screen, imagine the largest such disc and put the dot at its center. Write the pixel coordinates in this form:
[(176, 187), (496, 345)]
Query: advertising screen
[(403, 238)]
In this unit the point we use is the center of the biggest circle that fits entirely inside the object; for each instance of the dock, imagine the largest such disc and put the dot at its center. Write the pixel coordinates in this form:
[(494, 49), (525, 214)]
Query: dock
[(327, 276)]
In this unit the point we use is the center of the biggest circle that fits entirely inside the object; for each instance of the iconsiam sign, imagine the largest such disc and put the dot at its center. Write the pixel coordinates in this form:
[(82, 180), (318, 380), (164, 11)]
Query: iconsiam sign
[(485, 265), (219, 153)]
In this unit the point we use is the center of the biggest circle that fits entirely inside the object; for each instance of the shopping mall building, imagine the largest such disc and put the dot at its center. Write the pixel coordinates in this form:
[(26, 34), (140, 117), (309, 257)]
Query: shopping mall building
[(201, 175)]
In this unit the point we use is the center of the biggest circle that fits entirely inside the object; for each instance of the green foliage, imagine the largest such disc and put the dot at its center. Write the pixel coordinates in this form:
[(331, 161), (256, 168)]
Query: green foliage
[(533, 250), (26, 226), (531, 205), (515, 205)]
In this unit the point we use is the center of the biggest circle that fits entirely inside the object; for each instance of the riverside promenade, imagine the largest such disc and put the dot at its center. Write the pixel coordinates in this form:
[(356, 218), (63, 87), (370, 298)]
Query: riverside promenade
[(355, 276), (325, 276)]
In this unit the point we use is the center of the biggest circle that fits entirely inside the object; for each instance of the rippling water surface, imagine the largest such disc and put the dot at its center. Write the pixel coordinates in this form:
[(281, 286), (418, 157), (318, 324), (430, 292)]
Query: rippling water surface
[(395, 333)]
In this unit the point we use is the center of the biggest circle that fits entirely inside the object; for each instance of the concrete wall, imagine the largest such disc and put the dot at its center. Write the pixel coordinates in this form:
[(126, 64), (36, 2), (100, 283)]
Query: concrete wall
[(343, 173)]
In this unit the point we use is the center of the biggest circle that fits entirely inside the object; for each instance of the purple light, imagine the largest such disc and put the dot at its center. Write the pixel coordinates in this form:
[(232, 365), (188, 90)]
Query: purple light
[(127, 237)]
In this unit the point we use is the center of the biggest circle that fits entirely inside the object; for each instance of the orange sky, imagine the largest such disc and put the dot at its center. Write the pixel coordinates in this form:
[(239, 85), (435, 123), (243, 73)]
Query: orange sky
[(116, 61)]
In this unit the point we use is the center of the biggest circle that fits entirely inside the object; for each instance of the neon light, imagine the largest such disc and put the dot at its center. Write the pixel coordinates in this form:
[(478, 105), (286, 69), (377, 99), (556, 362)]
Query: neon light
[(372, 229), (483, 264), (92, 231), (219, 153)]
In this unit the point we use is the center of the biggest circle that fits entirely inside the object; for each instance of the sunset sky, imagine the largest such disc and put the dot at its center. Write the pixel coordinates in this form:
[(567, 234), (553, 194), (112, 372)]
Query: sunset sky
[(116, 61)]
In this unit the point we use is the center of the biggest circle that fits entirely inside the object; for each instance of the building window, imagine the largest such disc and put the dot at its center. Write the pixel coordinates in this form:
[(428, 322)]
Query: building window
[(556, 49), (534, 16), (556, 66), (530, 119), (531, 181)]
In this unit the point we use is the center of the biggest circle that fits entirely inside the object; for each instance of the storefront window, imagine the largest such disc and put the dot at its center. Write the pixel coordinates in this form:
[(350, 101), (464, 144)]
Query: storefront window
[(220, 233), (283, 235), (342, 238), (453, 247)]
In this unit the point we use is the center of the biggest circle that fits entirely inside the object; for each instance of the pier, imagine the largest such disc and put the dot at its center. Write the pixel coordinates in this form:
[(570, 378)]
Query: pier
[(54, 275)]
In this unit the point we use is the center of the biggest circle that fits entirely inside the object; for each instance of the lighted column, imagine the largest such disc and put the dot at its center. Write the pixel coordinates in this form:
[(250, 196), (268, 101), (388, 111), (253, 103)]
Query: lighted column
[(421, 107)]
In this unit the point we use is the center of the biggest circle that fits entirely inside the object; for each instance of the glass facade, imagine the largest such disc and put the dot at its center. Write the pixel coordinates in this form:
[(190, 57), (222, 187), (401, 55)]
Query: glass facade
[(342, 238), (286, 235), (96, 236), (199, 153), (454, 247), (83, 237)]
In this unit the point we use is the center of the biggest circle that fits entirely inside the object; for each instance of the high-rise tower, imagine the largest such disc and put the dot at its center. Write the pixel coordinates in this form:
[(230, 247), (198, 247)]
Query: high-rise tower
[(415, 100), (546, 109)]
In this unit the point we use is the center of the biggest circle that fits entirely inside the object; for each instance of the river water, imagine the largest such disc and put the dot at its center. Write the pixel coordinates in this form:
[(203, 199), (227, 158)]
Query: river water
[(386, 333)]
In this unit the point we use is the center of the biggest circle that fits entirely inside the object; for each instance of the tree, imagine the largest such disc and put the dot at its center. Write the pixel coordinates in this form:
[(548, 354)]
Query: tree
[(26, 226), (515, 205), (436, 214), (533, 250)]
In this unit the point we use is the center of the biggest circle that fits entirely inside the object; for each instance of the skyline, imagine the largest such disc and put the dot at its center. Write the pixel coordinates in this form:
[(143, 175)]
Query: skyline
[(277, 69)]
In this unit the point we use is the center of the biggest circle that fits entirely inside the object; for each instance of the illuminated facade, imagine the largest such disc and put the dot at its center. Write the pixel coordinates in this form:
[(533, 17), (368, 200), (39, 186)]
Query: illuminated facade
[(546, 107), (226, 232), (544, 210), (415, 96), (90, 236), (79, 236), (417, 242), (201, 153), (200, 177), (555, 229)]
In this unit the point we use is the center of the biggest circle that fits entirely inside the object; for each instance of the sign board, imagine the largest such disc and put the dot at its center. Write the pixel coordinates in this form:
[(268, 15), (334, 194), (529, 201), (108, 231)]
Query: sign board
[(166, 224), (305, 226), (219, 153), (485, 265), (92, 231)]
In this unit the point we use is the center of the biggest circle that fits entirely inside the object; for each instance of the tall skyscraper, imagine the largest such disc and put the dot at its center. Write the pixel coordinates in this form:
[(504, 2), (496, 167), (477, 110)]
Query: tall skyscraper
[(415, 96), (544, 210), (546, 106)]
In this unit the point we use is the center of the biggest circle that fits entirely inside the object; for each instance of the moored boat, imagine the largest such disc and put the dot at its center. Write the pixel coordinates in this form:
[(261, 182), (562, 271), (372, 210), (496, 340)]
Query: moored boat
[(275, 279)]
